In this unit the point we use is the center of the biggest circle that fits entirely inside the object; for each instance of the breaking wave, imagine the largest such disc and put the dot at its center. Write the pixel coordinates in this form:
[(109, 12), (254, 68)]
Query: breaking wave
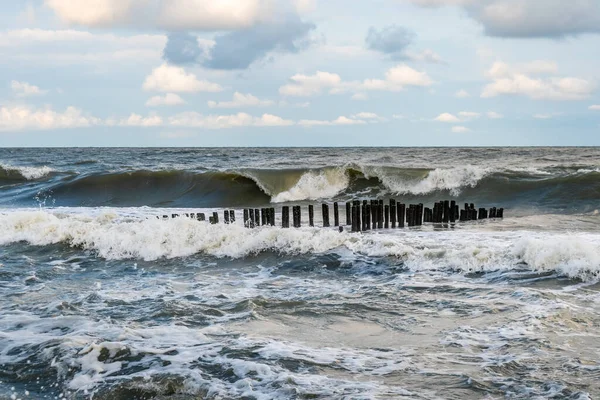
[(575, 255)]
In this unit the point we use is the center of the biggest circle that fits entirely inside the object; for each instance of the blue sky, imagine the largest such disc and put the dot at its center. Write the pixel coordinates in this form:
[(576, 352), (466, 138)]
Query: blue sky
[(299, 73)]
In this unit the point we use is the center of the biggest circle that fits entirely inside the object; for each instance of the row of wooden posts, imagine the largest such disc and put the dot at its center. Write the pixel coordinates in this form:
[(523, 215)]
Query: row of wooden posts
[(360, 216)]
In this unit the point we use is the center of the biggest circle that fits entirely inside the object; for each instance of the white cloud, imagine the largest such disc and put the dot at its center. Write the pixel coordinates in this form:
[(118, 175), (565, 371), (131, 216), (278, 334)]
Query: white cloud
[(310, 85), (447, 117), (139, 121), (542, 116), (398, 116), (469, 115), (164, 14), (241, 100), (18, 118), (24, 89), (511, 81), (366, 115), (359, 96), (427, 56), (168, 78), (460, 129), (462, 94), (197, 120), (595, 107), (396, 79), (169, 99), (341, 120), (494, 115)]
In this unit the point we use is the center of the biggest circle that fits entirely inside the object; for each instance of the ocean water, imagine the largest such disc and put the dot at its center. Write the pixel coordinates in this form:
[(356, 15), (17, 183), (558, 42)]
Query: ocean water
[(100, 299)]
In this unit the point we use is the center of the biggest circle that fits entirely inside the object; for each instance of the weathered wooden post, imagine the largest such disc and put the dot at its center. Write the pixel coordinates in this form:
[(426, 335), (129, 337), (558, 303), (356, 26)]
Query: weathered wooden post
[(325, 214), (263, 216), (348, 213), (386, 212), (285, 216), (256, 217), (201, 217), (251, 218), (272, 212), (246, 218), (359, 220), (380, 214), (226, 216), (336, 214), (500, 213), (446, 211), (354, 219), (311, 215), (367, 217), (211, 220), (401, 215), (216, 217), (232, 216), (393, 214)]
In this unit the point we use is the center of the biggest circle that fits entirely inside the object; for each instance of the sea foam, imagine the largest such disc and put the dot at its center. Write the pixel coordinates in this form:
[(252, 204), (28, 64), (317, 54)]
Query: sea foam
[(575, 255)]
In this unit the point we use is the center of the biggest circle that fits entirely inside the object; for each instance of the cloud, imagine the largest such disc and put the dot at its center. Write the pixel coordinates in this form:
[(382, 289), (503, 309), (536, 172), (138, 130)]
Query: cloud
[(447, 117), (396, 79), (494, 115), (359, 96), (426, 56), (168, 78), (197, 120), (163, 14), (24, 89), (19, 118), (341, 120), (462, 94), (185, 48), (595, 107), (239, 49), (528, 18), (542, 116), (138, 121), (391, 40), (514, 81), (468, 115), (460, 129), (169, 99), (241, 100)]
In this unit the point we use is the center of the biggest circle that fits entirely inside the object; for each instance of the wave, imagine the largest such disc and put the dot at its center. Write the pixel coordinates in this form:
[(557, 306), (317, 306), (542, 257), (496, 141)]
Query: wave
[(23, 173), (574, 255), (573, 188)]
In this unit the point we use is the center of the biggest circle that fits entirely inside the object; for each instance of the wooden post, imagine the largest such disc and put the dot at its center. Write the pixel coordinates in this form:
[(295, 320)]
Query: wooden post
[(446, 211), (386, 212), (380, 214), (246, 218), (393, 214), (232, 216), (373, 214), (251, 218), (358, 216), (325, 214), (226, 216), (174, 215), (272, 213), (285, 216), (348, 213), (363, 216), (336, 214), (193, 215), (452, 211), (481, 213), (216, 217), (354, 219), (401, 215), (500, 213), (463, 215), (211, 220), (201, 217), (311, 215)]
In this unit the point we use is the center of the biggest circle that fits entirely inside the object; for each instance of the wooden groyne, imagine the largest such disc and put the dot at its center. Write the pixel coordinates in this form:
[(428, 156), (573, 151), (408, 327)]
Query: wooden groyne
[(360, 216)]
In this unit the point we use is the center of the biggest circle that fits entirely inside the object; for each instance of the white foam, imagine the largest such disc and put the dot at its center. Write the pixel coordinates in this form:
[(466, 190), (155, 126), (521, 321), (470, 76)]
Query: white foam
[(451, 179), (27, 172), (315, 185), (464, 250)]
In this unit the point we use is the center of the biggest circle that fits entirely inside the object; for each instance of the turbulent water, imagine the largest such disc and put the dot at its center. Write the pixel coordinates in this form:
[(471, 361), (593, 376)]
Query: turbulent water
[(100, 299)]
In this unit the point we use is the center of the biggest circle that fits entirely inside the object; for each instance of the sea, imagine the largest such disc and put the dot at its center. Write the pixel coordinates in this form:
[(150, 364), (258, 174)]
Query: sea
[(103, 298)]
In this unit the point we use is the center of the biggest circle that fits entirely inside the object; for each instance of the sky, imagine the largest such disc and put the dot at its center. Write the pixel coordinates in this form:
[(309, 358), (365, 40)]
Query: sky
[(299, 73)]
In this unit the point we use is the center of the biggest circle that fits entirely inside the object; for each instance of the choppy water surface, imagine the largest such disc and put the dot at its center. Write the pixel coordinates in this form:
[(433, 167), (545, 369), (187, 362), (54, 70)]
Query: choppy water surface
[(99, 299)]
